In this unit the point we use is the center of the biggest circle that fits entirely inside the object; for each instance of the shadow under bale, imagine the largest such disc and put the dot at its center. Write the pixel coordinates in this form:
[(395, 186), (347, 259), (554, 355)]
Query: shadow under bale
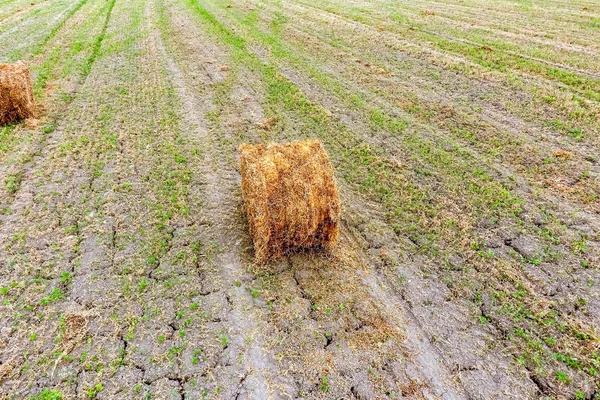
[(16, 93), (290, 197)]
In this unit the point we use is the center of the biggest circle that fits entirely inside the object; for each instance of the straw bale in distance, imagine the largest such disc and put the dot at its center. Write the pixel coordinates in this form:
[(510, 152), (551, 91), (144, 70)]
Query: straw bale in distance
[(16, 93), (290, 197)]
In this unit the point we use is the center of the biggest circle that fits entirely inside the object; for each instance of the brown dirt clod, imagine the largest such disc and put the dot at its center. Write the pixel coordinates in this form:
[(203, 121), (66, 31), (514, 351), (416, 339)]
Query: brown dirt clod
[(16, 93), (290, 197)]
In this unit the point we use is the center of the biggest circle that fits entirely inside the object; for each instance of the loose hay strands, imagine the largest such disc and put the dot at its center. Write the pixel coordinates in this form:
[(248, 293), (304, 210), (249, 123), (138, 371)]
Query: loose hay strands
[(290, 197), (16, 93), (76, 329)]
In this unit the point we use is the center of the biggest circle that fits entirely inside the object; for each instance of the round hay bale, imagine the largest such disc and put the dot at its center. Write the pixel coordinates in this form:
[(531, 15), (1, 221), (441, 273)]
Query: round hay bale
[(290, 197), (16, 93)]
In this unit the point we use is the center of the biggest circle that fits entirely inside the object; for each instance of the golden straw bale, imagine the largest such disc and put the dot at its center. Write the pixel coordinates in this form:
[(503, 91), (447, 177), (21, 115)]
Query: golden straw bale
[(290, 197), (16, 93)]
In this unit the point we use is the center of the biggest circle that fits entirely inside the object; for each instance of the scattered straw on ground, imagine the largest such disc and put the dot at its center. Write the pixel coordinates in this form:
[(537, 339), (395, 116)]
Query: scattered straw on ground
[(32, 123), (290, 197), (16, 93), (267, 124), (75, 331)]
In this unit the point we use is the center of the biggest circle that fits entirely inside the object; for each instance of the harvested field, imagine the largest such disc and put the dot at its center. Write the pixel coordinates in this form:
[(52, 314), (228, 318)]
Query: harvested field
[(464, 140)]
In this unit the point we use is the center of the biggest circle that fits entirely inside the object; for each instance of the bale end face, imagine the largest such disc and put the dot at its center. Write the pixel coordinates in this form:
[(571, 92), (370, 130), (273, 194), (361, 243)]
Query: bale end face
[(290, 197), (16, 93)]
